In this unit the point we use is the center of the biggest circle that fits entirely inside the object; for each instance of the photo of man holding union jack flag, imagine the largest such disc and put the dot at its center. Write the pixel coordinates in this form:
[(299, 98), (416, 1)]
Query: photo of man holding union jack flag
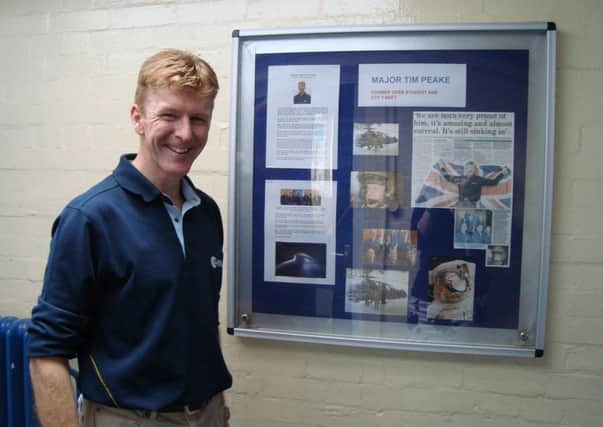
[(467, 185)]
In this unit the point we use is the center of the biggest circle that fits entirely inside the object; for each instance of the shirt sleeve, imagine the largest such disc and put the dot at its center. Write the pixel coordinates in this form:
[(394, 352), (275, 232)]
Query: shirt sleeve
[(60, 318), (492, 181)]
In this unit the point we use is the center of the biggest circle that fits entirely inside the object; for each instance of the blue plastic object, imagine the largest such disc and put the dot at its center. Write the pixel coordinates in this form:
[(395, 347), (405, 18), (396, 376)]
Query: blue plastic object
[(5, 325), (20, 405)]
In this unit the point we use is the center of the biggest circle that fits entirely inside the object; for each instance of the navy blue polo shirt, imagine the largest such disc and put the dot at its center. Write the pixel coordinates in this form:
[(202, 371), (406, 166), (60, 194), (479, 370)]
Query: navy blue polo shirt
[(119, 292)]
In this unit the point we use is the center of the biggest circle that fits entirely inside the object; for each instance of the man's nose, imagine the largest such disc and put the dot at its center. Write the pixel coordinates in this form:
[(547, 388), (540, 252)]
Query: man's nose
[(184, 129)]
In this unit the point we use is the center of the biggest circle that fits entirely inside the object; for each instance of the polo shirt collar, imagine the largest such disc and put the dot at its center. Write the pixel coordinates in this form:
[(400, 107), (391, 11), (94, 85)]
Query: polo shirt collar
[(130, 178), (188, 192)]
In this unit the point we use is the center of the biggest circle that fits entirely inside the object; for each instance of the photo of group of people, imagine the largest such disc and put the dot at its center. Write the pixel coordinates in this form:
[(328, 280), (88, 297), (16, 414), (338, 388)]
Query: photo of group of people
[(383, 248), (472, 228), (300, 197)]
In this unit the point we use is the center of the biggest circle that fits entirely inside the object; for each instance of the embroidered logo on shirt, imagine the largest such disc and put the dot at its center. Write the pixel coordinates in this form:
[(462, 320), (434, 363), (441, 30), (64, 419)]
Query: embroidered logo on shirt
[(215, 262)]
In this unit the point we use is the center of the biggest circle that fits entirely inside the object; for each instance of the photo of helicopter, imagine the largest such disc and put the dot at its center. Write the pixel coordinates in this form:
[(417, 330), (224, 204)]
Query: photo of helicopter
[(379, 139), (376, 291)]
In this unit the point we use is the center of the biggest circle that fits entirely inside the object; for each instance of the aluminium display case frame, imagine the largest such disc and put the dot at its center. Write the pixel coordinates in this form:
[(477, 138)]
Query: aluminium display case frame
[(528, 338)]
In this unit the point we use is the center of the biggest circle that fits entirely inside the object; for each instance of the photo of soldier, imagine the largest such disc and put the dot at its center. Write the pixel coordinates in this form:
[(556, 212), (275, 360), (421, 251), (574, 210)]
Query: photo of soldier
[(374, 189)]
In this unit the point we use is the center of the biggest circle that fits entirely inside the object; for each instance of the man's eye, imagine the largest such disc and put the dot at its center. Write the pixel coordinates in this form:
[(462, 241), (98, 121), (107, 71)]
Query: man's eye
[(168, 116), (198, 119)]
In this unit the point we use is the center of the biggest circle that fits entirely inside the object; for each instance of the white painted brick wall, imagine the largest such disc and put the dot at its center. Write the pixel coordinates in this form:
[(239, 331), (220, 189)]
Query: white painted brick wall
[(68, 74)]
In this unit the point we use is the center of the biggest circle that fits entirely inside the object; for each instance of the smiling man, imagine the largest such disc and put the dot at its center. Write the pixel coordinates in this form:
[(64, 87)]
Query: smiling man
[(134, 274)]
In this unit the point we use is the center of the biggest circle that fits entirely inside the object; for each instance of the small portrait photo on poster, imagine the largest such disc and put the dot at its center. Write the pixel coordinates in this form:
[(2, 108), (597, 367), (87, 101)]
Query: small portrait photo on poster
[(302, 96), (497, 256)]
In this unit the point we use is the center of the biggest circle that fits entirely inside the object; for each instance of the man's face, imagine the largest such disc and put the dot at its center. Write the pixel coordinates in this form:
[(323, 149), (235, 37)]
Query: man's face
[(375, 195), (301, 86), (392, 255), (449, 288), (370, 256), (173, 125), (498, 255), (469, 169)]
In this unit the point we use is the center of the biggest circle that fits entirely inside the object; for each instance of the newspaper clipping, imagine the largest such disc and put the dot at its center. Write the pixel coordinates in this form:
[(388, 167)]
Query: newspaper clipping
[(464, 161)]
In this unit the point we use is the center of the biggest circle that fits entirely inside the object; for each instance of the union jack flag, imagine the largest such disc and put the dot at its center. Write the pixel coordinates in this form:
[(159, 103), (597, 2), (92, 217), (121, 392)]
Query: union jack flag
[(439, 192)]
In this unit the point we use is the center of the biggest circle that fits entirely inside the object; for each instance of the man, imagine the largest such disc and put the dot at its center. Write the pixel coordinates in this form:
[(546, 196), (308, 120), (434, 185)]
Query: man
[(470, 183), (479, 236), (302, 97), (377, 190), (497, 255), (450, 286), (462, 236), (390, 249), (133, 277), (373, 248)]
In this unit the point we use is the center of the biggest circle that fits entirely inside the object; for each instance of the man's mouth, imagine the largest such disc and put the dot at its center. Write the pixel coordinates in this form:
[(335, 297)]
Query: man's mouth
[(178, 150)]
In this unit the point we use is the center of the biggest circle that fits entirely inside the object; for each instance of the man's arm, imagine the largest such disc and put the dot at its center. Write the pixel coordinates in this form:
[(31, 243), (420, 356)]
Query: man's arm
[(53, 392), (504, 172), (440, 167)]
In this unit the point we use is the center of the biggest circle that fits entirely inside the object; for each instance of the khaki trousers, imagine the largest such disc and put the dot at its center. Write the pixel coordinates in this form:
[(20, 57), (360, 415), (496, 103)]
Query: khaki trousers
[(97, 415)]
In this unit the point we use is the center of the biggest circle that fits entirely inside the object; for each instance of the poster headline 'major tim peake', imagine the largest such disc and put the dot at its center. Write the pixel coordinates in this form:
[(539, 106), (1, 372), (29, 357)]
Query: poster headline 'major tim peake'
[(412, 85)]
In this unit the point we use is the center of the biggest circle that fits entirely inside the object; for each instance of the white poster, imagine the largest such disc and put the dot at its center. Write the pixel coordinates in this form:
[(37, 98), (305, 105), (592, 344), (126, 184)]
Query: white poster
[(299, 237), (412, 85), (302, 116), (463, 160)]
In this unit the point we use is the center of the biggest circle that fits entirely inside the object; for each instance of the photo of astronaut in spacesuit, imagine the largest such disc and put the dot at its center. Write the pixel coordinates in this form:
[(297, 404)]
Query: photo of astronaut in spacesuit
[(451, 288)]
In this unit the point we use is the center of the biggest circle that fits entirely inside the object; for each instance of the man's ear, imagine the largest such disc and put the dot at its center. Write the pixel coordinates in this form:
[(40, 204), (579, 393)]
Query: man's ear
[(136, 119)]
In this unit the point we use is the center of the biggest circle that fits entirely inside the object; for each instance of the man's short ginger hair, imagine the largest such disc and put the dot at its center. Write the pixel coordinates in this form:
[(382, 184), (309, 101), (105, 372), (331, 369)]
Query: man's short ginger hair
[(176, 69)]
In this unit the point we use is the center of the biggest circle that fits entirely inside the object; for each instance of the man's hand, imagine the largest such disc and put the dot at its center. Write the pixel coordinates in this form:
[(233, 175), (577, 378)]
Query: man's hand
[(226, 410), (53, 392)]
